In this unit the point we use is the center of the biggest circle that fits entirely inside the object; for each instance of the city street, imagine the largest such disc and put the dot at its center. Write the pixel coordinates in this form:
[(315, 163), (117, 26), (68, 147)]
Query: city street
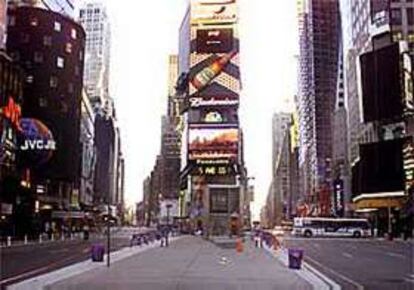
[(191, 263), (25, 261), (360, 263)]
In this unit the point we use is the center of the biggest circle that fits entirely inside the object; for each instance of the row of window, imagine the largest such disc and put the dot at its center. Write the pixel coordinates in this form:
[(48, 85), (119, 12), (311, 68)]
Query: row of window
[(34, 21), (53, 83)]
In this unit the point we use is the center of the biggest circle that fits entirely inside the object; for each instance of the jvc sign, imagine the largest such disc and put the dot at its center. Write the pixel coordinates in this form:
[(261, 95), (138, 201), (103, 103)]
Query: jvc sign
[(38, 145)]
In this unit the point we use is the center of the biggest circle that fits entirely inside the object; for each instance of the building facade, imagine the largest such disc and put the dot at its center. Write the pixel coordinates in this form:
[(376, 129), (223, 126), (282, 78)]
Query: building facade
[(11, 97), (63, 7), (212, 171), (88, 164), (50, 49), (94, 19), (3, 23), (319, 42)]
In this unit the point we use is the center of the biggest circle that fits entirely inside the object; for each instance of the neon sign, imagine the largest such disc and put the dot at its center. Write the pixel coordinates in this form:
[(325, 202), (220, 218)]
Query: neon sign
[(13, 113)]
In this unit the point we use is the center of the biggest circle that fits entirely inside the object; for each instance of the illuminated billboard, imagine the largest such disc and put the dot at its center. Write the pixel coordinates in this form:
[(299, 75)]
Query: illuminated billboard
[(214, 40), (213, 11), (213, 144), (37, 144)]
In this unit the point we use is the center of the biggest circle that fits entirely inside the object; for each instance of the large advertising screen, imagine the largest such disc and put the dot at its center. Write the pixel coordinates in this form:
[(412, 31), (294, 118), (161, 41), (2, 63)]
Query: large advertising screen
[(381, 84), (213, 11), (213, 143), (214, 40)]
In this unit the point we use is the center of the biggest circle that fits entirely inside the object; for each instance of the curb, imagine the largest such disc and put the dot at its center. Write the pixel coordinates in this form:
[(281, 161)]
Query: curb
[(314, 277), (42, 281)]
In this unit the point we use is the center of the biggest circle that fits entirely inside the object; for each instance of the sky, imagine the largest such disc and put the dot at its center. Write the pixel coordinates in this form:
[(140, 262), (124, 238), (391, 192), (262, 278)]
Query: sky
[(144, 33)]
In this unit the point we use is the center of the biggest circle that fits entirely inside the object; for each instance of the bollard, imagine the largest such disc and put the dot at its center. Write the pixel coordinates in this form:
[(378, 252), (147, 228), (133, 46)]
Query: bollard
[(40, 239), (8, 241), (71, 236), (62, 237), (52, 238), (25, 239)]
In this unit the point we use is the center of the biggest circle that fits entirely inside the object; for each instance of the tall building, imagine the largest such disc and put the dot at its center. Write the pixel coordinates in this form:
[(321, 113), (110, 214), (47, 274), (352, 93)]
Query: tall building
[(87, 140), (64, 7), (11, 97), (3, 23), (319, 42), (280, 124), (209, 65), (50, 49), (94, 19)]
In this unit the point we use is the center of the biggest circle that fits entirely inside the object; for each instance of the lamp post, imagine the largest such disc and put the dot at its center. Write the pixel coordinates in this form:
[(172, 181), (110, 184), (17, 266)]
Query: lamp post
[(169, 205)]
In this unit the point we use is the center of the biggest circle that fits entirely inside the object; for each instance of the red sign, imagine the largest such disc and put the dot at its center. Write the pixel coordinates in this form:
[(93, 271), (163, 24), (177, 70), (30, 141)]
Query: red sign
[(13, 113)]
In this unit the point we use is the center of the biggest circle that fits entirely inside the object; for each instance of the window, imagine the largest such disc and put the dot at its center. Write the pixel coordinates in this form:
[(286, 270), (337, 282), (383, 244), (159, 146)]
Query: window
[(60, 62), (68, 47), (42, 102), (47, 40), (30, 79), (410, 16), (34, 21), (11, 20), (57, 26), (38, 57), (53, 82), (64, 108), (396, 17), (77, 70), (71, 88), (25, 38), (73, 33)]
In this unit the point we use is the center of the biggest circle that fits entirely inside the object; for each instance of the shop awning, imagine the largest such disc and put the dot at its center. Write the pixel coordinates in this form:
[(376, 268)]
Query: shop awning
[(379, 200)]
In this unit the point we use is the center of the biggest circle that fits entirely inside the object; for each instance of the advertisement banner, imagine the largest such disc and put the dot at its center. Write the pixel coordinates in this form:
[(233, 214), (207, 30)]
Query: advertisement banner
[(214, 40), (213, 143), (196, 102), (213, 11)]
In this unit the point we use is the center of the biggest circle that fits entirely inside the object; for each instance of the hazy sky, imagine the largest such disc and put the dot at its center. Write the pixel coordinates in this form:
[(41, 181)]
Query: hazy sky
[(144, 33)]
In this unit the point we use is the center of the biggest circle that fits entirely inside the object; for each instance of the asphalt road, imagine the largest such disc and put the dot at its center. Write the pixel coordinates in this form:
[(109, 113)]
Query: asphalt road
[(190, 263), (21, 262), (360, 263)]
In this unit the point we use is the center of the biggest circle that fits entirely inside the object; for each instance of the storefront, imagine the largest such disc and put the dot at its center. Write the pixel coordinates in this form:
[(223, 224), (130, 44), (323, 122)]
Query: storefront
[(384, 210)]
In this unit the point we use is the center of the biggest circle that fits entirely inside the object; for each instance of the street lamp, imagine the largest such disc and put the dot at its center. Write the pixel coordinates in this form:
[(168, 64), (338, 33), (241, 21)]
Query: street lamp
[(169, 205)]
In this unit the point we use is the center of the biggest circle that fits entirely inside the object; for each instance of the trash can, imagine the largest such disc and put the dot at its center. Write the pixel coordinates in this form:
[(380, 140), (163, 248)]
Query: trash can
[(295, 258), (97, 253)]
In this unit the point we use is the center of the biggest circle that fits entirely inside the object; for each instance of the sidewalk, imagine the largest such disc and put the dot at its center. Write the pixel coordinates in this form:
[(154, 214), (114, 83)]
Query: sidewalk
[(190, 263)]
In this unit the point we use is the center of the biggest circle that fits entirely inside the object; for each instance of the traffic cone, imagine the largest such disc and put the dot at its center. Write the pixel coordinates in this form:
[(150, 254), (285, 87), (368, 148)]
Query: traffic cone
[(239, 245)]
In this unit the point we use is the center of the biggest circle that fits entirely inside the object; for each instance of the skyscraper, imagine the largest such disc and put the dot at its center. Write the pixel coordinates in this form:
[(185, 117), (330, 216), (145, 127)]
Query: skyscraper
[(280, 125), (319, 35), (94, 19), (3, 14), (213, 169)]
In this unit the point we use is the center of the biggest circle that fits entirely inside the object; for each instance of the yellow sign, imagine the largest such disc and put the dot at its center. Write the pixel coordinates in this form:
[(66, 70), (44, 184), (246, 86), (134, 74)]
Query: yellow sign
[(213, 11), (379, 203)]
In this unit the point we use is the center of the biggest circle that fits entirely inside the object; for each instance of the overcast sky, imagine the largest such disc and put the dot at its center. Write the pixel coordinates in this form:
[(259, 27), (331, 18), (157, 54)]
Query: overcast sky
[(144, 33)]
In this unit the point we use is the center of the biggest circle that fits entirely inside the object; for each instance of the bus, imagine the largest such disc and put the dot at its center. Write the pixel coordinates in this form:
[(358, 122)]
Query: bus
[(331, 227)]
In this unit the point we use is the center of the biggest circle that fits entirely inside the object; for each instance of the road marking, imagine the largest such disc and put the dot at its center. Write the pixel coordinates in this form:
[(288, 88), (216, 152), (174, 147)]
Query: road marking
[(354, 283), (347, 255), (317, 279), (391, 254)]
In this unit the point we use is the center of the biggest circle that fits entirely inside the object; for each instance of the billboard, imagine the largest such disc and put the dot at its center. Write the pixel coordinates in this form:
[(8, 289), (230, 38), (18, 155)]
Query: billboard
[(197, 102), (36, 142), (213, 11), (214, 40), (213, 144), (381, 84), (380, 168)]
